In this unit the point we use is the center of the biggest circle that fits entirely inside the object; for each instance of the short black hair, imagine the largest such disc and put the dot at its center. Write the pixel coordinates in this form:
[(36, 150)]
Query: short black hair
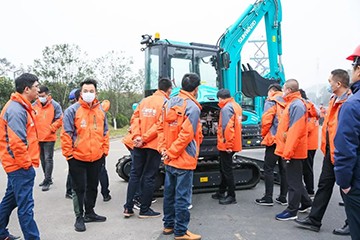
[(164, 84), (190, 81), (275, 87), (223, 93), (25, 80), (77, 94), (341, 76), (89, 81), (303, 94), (44, 89)]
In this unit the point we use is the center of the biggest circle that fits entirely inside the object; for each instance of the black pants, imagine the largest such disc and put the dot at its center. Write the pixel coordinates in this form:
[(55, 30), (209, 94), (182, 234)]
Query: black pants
[(68, 184), (104, 180), (297, 192), (308, 172), (270, 161), (352, 208), (144, 169), (227, 175), (85, 181), (324, 191)]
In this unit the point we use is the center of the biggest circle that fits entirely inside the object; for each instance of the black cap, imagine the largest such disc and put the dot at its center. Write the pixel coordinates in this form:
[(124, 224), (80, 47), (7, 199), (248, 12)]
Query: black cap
[(275, 86)]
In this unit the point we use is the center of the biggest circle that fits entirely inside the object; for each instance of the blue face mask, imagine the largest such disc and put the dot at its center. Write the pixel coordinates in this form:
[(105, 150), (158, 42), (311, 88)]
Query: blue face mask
[(329, 89)]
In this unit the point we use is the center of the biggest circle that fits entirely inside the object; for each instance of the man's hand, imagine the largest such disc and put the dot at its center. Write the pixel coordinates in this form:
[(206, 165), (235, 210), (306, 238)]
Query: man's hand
[(164, 156), (228, 150), (138, 142), (346, 190)]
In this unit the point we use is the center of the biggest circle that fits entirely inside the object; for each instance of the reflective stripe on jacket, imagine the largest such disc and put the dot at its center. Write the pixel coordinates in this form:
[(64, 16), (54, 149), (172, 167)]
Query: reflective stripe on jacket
[(181, 131), (48, 119), (229, 128), (273, 109), (313, 125), (85, 134), (331, 122), (291, 137), (145, 119), (19, 146)]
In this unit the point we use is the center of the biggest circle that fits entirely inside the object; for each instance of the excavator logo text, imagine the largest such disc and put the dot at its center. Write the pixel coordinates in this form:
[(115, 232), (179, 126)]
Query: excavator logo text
[(247, 31)]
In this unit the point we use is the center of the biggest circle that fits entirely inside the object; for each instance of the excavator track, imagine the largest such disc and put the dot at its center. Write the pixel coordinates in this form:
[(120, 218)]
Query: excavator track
[(206, 175)]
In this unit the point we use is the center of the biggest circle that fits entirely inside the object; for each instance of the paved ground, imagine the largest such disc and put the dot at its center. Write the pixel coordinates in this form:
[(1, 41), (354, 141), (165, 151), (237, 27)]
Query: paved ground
[(244, 220)]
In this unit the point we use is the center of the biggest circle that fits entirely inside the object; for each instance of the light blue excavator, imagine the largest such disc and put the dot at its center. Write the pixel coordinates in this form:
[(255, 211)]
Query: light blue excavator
[(219, 66)]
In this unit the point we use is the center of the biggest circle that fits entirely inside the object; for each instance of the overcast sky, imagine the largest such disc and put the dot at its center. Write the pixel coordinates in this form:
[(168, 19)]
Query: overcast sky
[(317, 34)]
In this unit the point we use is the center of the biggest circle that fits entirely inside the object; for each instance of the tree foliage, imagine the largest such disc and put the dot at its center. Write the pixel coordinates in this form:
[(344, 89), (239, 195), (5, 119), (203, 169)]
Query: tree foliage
[(5, 67), (64, 66), (6, 88)]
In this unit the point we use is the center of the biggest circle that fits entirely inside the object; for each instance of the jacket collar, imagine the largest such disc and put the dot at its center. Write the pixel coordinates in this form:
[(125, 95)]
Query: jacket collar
[(185, 94), (161, 93), (48, 100), (17, 97), (292, 96), (224, 102), (86, 105), (355, 87)]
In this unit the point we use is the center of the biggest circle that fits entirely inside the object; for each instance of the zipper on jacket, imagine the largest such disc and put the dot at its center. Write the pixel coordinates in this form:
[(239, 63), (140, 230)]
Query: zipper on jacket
[(95, 125)]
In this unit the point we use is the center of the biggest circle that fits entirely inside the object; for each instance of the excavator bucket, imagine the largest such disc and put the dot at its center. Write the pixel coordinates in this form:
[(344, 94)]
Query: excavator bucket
[(254, 85)]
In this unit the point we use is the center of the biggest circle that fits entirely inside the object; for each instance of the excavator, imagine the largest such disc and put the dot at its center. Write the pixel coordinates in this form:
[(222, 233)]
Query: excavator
[(219, 66)]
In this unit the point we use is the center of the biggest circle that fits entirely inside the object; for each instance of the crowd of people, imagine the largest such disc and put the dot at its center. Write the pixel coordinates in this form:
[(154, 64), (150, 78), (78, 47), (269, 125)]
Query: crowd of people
[(168, 130)]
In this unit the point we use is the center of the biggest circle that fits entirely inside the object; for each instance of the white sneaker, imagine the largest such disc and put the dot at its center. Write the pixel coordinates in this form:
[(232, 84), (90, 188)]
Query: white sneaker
[(190, 206)]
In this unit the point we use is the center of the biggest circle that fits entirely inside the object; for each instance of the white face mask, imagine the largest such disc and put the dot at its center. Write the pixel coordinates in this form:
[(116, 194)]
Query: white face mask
[(42, 99), (88, 97)]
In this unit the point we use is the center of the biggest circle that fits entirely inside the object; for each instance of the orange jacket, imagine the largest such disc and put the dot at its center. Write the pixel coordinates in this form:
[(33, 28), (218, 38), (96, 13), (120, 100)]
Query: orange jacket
[(145, 119), (19, 146), (48, 119), (331, 122), (85, 134), (105, 105), (180, 131), (273, 108), (291, 137), (313, 125), (229, 128)]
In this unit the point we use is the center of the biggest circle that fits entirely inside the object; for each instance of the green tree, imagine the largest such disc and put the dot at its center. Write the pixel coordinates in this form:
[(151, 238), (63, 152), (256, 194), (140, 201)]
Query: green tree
[(118, 82), (6, 88), (5, 67), (64, 66)]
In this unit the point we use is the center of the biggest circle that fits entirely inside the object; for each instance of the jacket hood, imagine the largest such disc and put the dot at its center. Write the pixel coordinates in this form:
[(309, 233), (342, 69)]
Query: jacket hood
[(17, 97), (225, 101), (188, 95)]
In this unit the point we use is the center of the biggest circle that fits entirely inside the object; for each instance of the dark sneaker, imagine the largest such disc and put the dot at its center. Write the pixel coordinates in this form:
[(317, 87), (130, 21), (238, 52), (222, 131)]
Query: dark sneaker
[(137, 204), (45, 186), (304, 209), (93, 217), (68, 195), (43, 182), (227, 200), (107, 198), (341, 204), (265, 201), (285, 216), (218, 196), (79, 224), (281, 200), (11, 237), (128, 212), (307, 224), (149, 214), (345, 230), (153, 200), (168, 231)]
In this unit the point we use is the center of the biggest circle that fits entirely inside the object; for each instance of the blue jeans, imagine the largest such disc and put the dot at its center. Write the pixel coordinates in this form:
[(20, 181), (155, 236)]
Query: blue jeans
[(47, 159), (19, 193), (177, 198)]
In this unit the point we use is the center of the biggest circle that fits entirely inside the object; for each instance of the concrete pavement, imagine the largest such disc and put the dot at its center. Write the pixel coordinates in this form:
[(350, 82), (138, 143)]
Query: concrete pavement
[(244, 220)]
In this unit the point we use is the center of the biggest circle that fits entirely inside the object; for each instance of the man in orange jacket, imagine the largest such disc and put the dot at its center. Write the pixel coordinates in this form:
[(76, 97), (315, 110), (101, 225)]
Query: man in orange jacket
[(339, 83), (19, 154), (180, 136), (146, 158), (48, 120), (291, 145), (273, 109), (228, 142), (85, 144), (313, 143)]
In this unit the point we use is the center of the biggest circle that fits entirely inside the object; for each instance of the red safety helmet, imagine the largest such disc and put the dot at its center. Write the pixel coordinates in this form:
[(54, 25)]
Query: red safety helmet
[(355, 54)]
